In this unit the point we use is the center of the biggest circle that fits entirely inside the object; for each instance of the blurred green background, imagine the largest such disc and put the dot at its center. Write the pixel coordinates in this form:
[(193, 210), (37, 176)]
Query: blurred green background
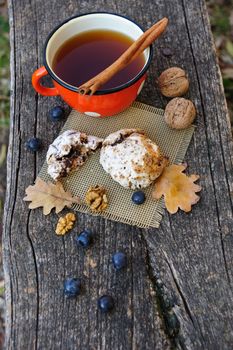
[(221, 18)]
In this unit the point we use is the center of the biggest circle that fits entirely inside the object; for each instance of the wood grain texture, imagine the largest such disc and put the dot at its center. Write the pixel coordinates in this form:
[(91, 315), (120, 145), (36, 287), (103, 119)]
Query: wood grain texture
[(177, 289)]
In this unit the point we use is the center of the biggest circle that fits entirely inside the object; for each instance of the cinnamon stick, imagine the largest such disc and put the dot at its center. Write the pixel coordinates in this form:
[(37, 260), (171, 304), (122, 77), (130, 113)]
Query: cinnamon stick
[(144, 41)]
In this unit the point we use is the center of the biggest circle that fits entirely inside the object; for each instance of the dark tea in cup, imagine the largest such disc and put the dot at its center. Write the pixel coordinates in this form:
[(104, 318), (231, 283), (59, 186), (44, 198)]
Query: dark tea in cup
[(85, 55), (83, 46)]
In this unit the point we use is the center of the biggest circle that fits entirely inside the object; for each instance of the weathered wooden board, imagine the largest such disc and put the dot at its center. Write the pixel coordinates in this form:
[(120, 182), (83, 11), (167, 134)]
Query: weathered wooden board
[(177, 289)]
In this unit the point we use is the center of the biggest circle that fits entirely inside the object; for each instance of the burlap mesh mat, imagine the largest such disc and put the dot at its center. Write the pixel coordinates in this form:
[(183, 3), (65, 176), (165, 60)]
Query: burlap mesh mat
[(173, 143)]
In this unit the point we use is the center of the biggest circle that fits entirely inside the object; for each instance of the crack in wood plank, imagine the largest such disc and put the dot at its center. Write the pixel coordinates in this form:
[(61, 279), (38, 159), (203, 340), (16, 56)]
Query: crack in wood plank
[(165, 304), (36, 276), (179, 290)]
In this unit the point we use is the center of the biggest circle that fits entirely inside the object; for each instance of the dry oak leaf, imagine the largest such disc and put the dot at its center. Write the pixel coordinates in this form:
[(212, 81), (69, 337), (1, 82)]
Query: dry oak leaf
[(178, 188), (49, 196)]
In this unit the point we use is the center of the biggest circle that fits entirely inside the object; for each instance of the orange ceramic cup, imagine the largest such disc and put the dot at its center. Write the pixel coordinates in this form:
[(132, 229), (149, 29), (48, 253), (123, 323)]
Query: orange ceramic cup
[(104, 102)]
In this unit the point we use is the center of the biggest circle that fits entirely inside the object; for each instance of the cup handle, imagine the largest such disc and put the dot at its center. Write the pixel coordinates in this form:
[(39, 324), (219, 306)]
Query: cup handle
[(45, 91)]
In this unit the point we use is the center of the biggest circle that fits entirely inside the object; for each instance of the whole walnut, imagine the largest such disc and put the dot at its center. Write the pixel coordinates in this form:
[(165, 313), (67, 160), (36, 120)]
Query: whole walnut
[(179, 113), (173, 82)]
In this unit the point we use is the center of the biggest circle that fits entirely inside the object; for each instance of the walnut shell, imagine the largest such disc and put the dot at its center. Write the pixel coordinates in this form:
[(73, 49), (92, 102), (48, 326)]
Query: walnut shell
[(173, 82), (96, 198), (179, 113), (65, 224)]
